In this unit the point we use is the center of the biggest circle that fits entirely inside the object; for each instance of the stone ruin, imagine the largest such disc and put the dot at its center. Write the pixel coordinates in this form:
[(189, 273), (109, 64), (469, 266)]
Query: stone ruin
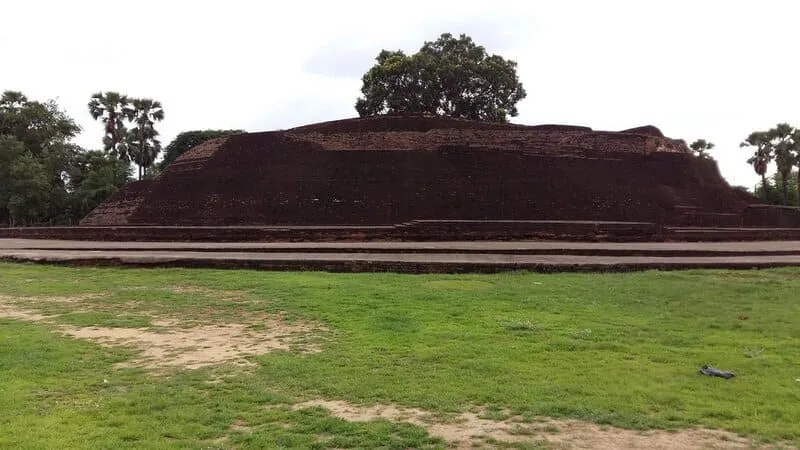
[(393, 170)]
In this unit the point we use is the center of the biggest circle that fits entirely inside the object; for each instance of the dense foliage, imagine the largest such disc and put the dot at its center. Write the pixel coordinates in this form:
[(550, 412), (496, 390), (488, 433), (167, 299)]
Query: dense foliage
[(44, 177), (701, 148), (774, 193), (130, 133), (781, 145), (451, 77)]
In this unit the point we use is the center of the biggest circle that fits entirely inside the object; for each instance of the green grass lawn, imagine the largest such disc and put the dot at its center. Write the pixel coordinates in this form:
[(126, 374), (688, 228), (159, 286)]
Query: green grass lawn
[(616, 349)]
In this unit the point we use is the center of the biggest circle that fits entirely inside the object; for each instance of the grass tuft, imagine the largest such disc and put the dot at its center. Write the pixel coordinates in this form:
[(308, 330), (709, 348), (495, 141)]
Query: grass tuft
[(519, 325)]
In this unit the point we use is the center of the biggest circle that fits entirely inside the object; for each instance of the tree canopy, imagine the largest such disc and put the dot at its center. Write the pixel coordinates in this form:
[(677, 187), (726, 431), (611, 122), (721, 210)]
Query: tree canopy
[(188, 139), (42, 179), (94, 176), (774, 193), (701, 147), (780, 144), (142, 139), (112, 109), (118, 112), (451, 77)]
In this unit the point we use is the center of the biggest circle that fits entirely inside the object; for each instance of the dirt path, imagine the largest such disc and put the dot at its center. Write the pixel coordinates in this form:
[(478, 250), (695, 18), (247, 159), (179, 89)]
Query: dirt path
[(753, 247), (394, 262)]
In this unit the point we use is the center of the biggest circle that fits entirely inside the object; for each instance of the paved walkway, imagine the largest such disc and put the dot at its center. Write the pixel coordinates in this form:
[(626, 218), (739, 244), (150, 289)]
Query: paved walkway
[(411, 256), (747, 246)]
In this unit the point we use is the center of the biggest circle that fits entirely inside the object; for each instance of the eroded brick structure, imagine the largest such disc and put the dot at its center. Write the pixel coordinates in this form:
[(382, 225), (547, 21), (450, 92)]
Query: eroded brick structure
[(391, 170)]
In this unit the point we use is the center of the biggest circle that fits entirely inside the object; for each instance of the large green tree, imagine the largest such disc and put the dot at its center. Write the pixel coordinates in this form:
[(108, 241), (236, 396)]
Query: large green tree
[(774, 194), (34, 145), (44, 178), (142, 141), (29, 191), (40, 126), (451, 77), (94, 176), (11, 149), (189, 139)]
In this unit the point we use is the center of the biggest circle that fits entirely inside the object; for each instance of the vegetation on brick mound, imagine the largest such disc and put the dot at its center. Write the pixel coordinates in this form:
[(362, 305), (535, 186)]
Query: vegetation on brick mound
[(616, 349)]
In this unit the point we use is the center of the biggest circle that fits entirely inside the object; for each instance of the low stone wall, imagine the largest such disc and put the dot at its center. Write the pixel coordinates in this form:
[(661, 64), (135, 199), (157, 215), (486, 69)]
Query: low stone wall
[(771, 216), (413, 231)]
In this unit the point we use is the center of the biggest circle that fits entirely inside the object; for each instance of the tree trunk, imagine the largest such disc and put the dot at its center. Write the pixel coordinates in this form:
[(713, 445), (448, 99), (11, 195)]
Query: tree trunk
[(114, 171), (764, 188), (141, 152), (798, 187), (785, 184)]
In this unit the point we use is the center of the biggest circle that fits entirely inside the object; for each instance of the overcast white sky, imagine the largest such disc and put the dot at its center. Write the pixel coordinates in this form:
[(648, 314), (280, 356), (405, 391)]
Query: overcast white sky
[(708, 69)]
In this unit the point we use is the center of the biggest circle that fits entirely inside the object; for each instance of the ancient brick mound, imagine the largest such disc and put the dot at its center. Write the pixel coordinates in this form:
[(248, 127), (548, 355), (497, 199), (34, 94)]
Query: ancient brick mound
[(647, 129), (116, 210), (391, 170)]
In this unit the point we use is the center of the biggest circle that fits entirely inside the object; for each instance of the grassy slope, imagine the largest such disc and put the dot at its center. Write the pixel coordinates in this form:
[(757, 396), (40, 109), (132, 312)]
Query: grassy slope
[(620, 349)]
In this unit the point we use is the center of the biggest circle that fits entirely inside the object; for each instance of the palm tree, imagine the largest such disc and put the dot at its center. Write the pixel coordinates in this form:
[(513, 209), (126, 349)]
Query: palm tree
[(781, 142), (112, 109), (142, 137), (762, 155)]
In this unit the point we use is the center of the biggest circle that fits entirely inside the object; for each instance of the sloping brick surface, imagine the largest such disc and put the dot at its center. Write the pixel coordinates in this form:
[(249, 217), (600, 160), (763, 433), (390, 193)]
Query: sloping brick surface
[(392, 170)]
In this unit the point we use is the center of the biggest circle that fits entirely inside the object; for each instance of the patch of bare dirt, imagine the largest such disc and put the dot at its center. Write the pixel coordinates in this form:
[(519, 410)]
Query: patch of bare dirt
[(10, 311), (469, 430), (176, 346), (77, 298), (188, 289), (241, 426), (200, 346)]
